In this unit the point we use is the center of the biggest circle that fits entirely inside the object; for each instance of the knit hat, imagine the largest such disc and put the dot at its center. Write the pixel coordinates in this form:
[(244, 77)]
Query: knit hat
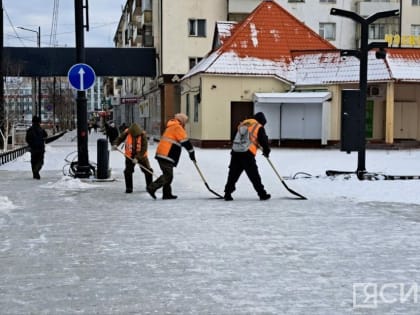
[(135, 130), (36, 119), (182, 118), (260, 117)]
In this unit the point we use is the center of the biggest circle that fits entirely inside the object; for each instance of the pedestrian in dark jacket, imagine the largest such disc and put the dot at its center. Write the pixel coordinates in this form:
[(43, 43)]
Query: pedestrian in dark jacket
[(122, 127), (35, 137), (245, 161), (135, 140), (111, 132), (168, 153)]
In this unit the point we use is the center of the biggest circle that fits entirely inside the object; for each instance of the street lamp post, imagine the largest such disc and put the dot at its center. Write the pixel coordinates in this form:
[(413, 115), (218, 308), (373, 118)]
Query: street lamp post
[(38, 36), (362, 54)]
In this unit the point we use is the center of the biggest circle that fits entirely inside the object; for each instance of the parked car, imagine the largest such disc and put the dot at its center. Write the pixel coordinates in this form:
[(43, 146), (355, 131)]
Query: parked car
[(22, 126)]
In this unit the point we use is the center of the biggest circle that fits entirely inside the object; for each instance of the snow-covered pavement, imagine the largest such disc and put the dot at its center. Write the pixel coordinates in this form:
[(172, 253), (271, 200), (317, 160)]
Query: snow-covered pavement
[(83, 247)]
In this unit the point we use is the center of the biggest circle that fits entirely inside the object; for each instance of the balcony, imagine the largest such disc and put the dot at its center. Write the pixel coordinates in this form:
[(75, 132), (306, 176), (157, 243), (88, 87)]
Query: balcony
[(146, 17), (366, 9)]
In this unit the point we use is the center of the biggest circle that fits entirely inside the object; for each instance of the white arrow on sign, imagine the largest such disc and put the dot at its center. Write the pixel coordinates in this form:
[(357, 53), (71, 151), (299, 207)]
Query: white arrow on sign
[(81, 74)]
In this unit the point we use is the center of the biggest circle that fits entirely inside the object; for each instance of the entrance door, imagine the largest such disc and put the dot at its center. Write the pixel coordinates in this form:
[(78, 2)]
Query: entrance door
[(405, 120), (238, 112)]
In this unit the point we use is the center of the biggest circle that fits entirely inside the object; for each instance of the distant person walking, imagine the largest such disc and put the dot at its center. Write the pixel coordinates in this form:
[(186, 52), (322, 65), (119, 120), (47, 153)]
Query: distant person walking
[(122, 127), (111, 132), (245, 161), (135, 141), (35, 137), (168, 153)]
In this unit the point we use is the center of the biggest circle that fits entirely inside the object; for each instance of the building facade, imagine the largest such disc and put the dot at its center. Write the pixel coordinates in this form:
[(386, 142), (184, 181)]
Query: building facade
[(299, 88), (184, 33)]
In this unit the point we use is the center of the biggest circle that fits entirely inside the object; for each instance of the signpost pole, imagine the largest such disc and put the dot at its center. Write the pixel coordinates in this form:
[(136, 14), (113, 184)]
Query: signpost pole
[(83, 167)]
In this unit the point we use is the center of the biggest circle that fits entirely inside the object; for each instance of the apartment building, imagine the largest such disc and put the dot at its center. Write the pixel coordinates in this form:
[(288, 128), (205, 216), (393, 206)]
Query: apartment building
[(183, 33)]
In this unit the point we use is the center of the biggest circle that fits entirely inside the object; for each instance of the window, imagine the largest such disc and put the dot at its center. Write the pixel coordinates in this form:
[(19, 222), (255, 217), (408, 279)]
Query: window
[(196, 104), (187, 104), (327, 1), (415, 29), (377, 31), (197, 27), (193, 61), (415, 2), (327, 30)]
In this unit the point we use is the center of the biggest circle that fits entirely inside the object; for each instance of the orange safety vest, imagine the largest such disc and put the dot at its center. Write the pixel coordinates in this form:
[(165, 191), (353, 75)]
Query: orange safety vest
[(253, 133), (129, 145)]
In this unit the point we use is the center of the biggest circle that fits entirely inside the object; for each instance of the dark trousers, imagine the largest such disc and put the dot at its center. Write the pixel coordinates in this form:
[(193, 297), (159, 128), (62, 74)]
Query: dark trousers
[(129, 170), (165, 180), (37, 161), (244, 161)]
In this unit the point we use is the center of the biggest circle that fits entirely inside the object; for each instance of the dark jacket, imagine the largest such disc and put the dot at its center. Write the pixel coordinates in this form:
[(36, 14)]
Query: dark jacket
[(35, 137), (262, 136), (111, 133)]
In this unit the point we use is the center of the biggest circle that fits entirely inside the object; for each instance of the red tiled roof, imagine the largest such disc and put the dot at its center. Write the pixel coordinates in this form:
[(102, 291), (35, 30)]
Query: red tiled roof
[(270, 32), (272, 42), (404, 63)]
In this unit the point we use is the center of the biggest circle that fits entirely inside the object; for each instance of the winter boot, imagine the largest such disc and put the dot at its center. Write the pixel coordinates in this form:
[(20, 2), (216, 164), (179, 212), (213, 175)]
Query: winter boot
[(128, 184), (228, 197), (169, 197), (151, 191), (265, 196), (167, 192), (149, 179)]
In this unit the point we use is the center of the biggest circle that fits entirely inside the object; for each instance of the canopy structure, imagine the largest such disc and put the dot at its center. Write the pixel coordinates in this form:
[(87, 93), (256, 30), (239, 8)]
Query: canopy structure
[(292, 97)]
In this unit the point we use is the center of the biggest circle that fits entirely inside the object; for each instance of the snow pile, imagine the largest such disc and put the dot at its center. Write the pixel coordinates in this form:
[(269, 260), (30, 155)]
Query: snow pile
[(67, 183), (6, 204)]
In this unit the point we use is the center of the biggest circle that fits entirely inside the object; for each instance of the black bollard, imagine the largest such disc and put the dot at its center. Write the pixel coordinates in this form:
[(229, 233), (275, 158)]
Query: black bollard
[(103, 159)]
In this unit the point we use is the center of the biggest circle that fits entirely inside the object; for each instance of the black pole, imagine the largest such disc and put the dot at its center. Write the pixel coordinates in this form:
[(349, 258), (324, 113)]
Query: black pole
[(400, 24), (54, 103), (39, 78), (1, 78), (362, 54), (361, 155), (83, 167)]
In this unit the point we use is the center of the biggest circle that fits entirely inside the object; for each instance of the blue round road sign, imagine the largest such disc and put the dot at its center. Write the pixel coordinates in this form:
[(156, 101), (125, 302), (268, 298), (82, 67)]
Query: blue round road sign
[(81, 76)]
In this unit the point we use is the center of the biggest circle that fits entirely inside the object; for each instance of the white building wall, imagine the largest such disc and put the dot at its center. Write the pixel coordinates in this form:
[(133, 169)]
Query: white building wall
[(171, 38), (411, 16)]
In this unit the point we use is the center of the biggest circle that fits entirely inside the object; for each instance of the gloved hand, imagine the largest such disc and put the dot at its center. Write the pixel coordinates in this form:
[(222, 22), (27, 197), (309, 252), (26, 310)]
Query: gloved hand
[(135, 161), (192, 156), (114, 147), (266, 152)]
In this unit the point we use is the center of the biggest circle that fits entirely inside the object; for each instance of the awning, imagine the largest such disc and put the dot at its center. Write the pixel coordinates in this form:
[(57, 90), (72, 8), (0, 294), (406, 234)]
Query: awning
[(292, 97)]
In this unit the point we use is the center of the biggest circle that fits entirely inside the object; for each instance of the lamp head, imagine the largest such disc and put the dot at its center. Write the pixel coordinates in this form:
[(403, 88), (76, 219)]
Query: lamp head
[(380, 53)]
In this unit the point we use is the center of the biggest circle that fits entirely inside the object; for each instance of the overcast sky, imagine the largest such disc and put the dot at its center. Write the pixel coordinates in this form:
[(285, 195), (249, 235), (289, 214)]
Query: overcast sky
[(104, 16)]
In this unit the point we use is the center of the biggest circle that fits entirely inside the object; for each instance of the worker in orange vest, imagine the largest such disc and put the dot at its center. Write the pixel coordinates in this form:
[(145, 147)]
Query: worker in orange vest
[(245, 161), (135, 140), (168, 153)]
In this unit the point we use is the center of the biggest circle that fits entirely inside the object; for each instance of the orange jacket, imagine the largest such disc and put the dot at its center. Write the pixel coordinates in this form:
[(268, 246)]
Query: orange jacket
[(173, 139)]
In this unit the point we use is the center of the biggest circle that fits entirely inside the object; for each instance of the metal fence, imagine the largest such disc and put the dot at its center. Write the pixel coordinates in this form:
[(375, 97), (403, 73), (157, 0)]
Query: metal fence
[(11, 155)]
